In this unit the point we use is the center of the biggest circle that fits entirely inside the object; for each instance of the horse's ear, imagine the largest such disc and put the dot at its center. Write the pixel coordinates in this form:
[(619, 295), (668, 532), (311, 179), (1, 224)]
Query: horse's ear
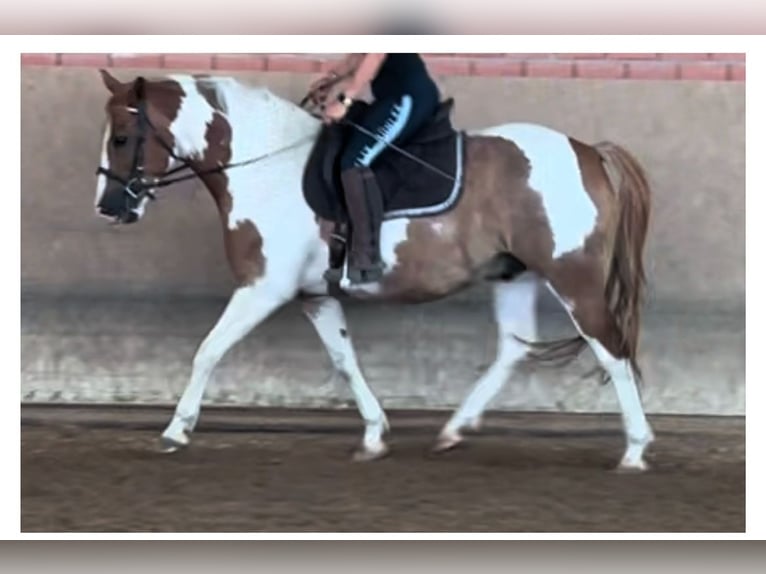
[(139, 87), (112, 84)]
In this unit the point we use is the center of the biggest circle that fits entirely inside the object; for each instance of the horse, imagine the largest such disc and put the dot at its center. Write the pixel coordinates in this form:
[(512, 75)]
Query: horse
[(539, 209)]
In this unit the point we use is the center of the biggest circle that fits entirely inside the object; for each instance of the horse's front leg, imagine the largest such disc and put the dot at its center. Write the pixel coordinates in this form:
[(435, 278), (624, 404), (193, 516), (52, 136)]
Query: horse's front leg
[(248, 307)]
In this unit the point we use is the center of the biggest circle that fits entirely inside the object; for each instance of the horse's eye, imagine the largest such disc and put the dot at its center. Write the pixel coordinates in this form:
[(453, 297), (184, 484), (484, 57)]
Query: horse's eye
[(119, 141)]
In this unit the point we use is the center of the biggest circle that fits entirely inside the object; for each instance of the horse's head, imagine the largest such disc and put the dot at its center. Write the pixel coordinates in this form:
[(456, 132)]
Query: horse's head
[(137, 146)]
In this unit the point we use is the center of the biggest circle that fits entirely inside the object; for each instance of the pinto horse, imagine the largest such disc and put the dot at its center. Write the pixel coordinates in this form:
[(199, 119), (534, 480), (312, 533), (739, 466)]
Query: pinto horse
[(548, 209)]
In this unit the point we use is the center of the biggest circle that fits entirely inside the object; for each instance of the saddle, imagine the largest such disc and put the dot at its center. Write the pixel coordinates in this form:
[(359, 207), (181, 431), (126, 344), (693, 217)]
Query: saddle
[(409, 188)]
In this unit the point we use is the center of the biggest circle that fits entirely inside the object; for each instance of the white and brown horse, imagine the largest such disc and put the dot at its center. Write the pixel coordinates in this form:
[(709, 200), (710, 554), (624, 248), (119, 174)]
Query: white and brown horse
[(574, 215)]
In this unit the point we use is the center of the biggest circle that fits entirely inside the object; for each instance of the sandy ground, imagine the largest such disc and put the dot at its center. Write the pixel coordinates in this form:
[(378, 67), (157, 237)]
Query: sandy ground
[(99, 469)]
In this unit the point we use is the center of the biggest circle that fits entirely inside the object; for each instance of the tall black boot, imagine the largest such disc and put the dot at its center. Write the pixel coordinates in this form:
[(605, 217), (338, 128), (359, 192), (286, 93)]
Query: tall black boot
[(365, 208)]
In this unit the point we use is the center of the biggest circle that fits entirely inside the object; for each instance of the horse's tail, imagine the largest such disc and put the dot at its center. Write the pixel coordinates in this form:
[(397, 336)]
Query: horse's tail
[(625, 280)]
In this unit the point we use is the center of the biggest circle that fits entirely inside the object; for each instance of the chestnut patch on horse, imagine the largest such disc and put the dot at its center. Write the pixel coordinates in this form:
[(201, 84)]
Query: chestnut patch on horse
[(498, 216), (244, 244), (218, 152), (244, 247)]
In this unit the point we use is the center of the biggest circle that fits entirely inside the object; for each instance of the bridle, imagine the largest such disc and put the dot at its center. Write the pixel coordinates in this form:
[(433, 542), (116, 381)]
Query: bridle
[(138, 186)]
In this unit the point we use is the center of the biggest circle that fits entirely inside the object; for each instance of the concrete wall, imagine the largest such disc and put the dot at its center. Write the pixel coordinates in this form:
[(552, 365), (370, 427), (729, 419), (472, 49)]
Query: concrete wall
[(688, 134)]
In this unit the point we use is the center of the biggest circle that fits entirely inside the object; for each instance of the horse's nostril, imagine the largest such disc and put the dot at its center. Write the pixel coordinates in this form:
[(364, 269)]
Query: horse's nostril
[(101, 212)]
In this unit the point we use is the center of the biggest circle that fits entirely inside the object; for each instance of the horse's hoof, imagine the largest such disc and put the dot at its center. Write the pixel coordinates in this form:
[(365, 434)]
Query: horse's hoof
[(366, 454), (632, 467), (169, 445), (447, 442)]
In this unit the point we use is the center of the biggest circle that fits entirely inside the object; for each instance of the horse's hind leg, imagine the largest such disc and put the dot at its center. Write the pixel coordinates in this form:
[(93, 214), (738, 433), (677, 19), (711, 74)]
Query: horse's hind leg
[(514, 306), (248, 307), (590, 314), (326, 314)]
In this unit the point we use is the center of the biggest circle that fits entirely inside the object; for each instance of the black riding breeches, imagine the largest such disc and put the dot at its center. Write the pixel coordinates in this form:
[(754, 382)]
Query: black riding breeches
[(393, 120)]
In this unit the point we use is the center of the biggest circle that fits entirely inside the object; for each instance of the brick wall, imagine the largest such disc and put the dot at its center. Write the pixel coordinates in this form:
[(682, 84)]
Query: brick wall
[(634, 66)]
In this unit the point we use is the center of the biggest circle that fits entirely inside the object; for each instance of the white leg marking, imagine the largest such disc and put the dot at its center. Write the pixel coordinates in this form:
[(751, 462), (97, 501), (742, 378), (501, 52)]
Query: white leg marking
[(248, 307), (637, 430), (326, 314), (515, 316), (555, 175)]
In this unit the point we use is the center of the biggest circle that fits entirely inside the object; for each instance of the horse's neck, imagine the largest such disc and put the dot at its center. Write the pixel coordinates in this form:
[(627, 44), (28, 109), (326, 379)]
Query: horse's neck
[(259, 124), (262, 123)]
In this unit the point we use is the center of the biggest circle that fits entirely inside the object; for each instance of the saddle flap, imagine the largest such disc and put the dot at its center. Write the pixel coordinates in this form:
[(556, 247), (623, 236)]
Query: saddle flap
[(439, 127)]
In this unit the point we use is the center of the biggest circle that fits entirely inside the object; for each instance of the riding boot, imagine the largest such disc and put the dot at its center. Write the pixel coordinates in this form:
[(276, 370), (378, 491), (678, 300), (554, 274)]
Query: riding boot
[(364, 202)]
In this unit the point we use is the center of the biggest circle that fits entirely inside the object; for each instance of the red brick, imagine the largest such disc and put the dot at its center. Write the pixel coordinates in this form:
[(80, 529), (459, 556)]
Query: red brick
[(530, 55), (734, 57), (603, 69), (686, 57), (497, 67), (579, 56), (288, 63), (449, 66), (87, 60), (633, 56), (703, 71), (476, 55), (239, 62), (737, 72), (189, 61), (550, 69), (652, 70), (137, 60), (39, 59)]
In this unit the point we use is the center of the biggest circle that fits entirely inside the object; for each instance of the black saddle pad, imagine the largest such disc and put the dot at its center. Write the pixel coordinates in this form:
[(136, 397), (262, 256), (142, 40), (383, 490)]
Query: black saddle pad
[(409, 188)]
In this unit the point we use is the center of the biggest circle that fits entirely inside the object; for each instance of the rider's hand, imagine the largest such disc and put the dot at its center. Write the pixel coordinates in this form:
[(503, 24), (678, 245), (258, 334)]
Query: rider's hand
[(334, 111), (320, 88), (324, 79)]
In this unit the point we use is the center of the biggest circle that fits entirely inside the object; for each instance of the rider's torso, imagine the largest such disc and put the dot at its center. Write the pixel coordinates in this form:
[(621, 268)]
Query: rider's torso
[(400, 74)]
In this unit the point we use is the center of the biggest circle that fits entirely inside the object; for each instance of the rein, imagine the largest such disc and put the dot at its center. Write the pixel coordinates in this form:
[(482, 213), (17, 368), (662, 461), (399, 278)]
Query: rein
[(136, 186)]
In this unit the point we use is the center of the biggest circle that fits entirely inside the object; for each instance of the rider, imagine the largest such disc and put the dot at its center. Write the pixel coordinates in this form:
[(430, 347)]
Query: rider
[(405, 98)]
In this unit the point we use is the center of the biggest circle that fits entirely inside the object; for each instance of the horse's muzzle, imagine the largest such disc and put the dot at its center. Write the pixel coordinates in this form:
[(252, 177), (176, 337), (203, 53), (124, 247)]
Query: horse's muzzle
[(123, 216), (129, 217)]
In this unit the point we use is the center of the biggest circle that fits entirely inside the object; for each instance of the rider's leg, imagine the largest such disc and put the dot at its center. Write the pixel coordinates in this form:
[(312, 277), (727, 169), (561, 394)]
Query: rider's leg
[(387, 119)]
